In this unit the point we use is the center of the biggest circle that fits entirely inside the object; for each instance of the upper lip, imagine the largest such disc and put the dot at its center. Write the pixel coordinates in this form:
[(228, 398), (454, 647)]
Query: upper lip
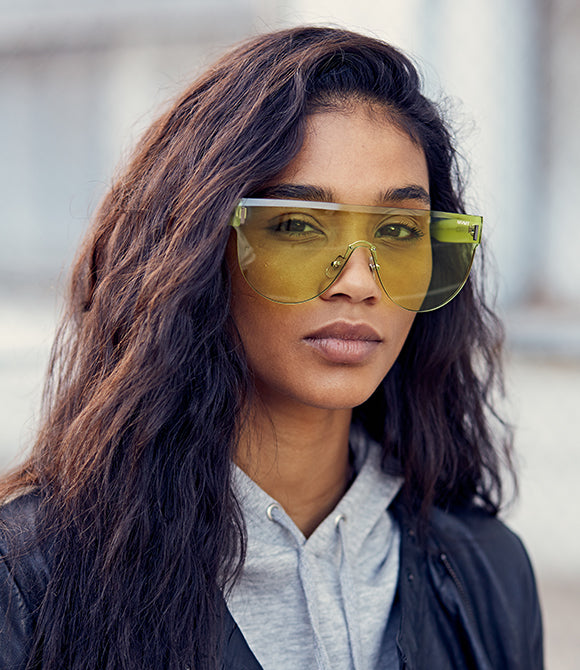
[(343, 330)]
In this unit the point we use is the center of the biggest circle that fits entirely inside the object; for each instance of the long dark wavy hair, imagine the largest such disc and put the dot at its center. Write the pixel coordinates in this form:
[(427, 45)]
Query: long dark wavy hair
[(147, 378)]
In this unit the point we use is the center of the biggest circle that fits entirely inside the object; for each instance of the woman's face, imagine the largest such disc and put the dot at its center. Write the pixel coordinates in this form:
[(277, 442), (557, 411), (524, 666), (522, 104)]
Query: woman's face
[(333, 351)]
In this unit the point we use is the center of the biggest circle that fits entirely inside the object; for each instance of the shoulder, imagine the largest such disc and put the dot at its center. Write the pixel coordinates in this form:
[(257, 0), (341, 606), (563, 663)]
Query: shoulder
[(18, 514), (23, 555), (24, 575), (477, 542), (491, 565), (470, 592), (475, 529)]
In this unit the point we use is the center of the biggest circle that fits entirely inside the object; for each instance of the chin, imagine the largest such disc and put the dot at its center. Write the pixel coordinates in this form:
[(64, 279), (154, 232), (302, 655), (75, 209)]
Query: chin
[(339, 397), (338, 388)]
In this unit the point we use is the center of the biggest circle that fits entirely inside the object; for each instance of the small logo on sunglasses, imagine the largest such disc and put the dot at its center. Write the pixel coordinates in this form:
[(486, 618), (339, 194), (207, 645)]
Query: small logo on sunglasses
[(472, 227)]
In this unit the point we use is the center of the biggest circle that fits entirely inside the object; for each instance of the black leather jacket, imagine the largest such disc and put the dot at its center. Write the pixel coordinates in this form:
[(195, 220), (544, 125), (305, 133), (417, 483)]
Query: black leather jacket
[(467, 596)]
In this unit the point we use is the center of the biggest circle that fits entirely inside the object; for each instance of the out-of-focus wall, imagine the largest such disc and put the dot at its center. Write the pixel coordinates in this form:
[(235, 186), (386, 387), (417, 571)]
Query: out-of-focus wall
[(78, 86), (560, 270)]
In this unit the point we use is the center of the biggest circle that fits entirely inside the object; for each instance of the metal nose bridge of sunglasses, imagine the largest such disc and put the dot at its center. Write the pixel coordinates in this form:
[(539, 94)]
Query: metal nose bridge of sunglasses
[(340, 261)]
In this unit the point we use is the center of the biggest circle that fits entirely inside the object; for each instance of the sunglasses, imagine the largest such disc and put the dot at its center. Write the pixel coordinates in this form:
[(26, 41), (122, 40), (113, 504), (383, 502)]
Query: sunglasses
[(291, 251)]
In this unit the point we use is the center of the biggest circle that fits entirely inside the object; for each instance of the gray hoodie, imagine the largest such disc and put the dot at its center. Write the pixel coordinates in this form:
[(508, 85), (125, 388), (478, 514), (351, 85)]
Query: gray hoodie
[(321, 602)]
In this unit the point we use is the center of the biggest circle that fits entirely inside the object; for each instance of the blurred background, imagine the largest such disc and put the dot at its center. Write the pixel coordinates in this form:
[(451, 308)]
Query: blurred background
[(81, 79)]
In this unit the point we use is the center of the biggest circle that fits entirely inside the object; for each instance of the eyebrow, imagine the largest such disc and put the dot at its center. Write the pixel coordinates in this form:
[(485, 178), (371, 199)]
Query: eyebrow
[(412, 192), (295, 192), (316, 193)]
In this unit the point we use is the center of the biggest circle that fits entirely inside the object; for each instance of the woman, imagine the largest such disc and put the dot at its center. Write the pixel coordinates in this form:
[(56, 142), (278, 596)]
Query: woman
[(269, 438)]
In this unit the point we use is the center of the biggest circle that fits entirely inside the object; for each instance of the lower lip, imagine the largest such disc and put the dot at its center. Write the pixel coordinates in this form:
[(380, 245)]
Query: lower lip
[(345, 352)]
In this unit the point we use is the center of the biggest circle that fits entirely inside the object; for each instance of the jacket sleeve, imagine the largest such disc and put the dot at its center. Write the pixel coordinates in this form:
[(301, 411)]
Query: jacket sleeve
[(23, 581)]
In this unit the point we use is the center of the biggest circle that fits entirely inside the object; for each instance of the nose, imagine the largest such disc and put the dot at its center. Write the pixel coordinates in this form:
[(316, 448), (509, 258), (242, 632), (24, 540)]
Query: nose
[(357, 281)]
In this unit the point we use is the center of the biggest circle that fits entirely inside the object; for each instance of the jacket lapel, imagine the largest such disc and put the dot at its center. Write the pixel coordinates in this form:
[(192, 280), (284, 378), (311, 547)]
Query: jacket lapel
[(237, 653)]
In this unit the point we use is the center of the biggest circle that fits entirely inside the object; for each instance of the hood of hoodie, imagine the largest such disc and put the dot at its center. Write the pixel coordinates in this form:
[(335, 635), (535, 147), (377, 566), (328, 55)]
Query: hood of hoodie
[(322, 601)]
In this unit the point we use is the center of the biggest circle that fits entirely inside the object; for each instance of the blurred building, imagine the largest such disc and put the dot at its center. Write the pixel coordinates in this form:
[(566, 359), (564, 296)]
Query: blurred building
[(78, 82)]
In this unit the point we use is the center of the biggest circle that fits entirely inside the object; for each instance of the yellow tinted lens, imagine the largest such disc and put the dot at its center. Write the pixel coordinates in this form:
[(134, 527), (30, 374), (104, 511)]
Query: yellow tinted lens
[(292, 251), (403, 250), (454, 239), (284, 253)]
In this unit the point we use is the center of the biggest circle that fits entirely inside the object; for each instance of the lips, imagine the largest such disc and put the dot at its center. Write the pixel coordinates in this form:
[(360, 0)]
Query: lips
[(344, 343)]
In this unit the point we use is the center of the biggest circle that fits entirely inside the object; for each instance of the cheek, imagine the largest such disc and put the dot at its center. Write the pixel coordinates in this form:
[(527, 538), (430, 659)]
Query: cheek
[(272, 353), (399, 324), (260, 324), (264, 327)]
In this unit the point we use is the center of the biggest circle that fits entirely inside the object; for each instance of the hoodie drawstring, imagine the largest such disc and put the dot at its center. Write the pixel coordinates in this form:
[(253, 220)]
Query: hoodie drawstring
[(308, 586), (347, 590)]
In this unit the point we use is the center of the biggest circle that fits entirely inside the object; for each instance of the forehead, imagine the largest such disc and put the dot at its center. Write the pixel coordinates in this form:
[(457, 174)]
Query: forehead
[(356, 156)]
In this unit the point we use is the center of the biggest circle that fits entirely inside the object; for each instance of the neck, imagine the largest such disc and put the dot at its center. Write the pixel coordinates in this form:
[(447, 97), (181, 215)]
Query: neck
[(299, 456)]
